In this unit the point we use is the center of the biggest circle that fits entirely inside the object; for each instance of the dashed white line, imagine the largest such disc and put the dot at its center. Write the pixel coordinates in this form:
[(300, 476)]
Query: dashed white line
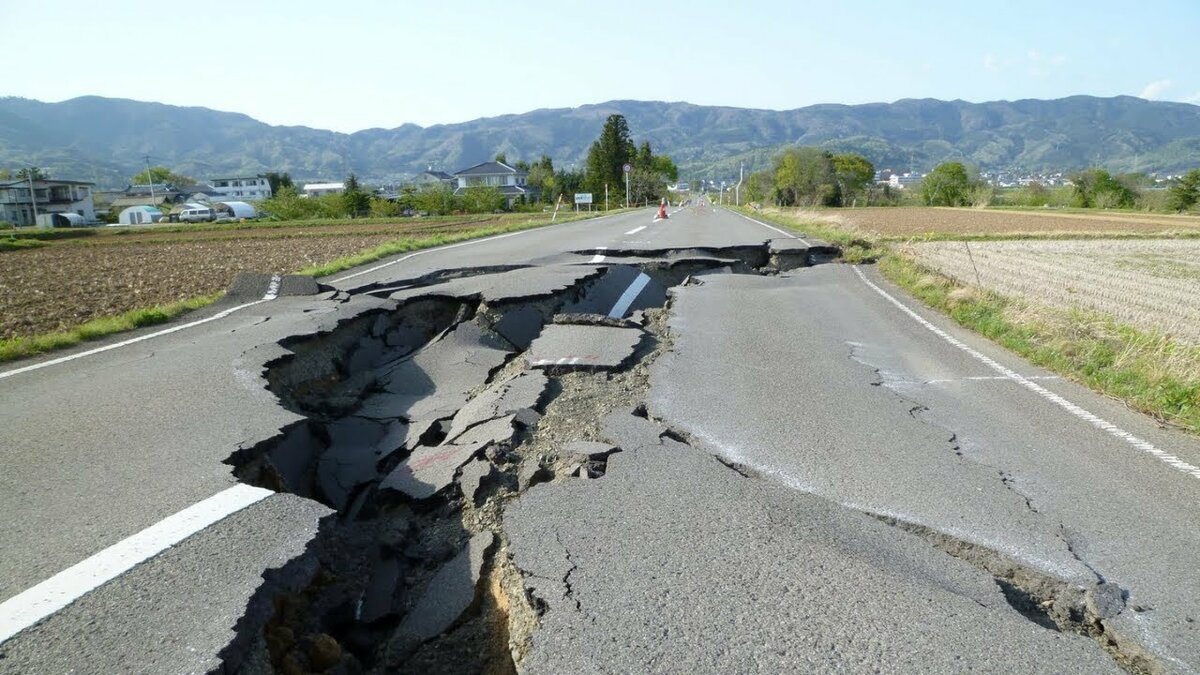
[(1098, 422), (637, 229), (273, 288), (599, 257), (618, 310), (28, 607)]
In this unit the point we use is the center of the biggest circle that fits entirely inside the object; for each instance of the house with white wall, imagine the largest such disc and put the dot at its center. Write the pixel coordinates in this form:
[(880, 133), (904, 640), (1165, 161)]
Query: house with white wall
[(241, 188), (322, 189), (509, 181), (49, 197)]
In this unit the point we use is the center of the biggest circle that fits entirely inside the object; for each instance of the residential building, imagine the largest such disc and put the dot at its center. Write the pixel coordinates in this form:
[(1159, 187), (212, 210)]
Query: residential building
[(322, 189), (509, 181), (50, 197), (432, 177), (242, 188)]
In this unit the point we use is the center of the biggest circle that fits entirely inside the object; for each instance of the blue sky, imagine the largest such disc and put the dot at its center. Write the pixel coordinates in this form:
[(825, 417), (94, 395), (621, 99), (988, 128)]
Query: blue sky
[(356, 64)]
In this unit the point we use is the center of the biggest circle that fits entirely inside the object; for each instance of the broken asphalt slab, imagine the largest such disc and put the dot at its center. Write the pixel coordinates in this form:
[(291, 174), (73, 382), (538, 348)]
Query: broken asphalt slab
[(673, 558), (428, 471), (573, 346), (447, 596), (526, 283)]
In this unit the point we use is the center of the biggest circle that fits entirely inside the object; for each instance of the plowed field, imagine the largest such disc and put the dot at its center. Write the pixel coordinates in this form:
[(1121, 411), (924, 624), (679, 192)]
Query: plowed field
[(68, 283), (914, 222)]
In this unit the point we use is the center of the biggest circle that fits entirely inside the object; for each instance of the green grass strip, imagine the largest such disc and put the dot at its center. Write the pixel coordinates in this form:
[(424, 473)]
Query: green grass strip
[(1148, 371), (21, 347)]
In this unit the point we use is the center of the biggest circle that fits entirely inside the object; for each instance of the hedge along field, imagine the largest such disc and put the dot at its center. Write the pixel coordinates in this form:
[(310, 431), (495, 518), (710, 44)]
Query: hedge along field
[(1151, 284)]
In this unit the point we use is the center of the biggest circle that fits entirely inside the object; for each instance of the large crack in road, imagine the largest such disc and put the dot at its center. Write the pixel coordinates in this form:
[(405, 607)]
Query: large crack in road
[(428, 418)]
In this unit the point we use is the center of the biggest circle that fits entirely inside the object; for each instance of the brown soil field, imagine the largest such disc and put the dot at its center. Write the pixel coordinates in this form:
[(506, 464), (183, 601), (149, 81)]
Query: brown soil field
[(58, 287), (918, 221)]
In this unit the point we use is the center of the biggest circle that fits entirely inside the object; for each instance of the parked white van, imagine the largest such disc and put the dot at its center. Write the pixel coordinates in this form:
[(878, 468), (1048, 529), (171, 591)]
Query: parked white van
[(196, 215)]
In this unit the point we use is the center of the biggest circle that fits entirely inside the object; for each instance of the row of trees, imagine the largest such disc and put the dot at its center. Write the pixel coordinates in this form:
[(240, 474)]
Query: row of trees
[(813, 177), (608, 155)]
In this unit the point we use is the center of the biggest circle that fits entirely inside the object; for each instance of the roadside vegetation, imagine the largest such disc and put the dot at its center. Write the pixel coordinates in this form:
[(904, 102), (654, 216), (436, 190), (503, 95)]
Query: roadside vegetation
[(1151, 369)]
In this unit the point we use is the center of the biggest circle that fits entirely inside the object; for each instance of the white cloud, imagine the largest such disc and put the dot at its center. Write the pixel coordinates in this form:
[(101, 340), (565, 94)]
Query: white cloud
[(990, 62), (1058, 60), (1034, 55), (1155, 89)]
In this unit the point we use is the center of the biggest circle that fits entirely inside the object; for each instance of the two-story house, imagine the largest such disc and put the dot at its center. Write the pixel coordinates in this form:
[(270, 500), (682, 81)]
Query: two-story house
[(509, 181), (242, 188), (69, 200)]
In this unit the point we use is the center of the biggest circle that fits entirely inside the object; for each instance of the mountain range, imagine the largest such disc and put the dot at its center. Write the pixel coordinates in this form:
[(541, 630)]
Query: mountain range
[(106, 140)]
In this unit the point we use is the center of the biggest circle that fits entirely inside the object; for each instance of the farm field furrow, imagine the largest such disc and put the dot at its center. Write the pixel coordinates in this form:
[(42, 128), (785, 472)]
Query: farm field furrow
[(1124, 279), (57, 287), (918, 221)]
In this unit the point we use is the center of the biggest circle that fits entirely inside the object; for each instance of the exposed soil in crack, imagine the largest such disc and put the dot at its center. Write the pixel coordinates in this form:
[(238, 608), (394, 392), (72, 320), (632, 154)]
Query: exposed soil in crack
[(411, 573)]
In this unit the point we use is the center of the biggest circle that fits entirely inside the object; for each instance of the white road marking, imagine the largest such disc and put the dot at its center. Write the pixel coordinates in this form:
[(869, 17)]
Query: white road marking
[(789, 235), (618, 310), (27, 608), (990, 378), (636, 229), (64, 359), (273, 288), (599, 257), (1099, 423)]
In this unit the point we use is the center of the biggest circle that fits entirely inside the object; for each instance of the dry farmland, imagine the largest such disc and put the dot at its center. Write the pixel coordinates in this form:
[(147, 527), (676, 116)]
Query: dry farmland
[(915, 222), (115, 270), (1150, 283)]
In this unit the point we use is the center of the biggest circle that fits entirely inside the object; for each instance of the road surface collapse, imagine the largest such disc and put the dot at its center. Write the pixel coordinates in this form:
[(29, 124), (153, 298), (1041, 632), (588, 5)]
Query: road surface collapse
[(500, 498)]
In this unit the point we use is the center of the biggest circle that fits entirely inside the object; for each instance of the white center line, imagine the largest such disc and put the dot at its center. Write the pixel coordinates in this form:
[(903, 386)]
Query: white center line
[(1099, 423), (28, 607), (599, 257), (636, 230), (629, 296)]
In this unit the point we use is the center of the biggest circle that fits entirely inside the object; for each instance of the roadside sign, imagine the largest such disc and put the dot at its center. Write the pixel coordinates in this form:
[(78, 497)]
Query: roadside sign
[(628, 168), (583, 198)]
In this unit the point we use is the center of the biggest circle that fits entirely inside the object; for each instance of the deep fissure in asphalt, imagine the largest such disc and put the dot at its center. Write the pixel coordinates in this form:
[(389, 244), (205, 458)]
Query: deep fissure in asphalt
[(411, 573)]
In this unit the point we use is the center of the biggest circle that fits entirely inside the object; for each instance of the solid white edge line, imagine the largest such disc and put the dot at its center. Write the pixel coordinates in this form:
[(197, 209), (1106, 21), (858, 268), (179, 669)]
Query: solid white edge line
[(618, 310), (63, 359), (789, 235), (31, 606), (1098, 422), (636, 230)]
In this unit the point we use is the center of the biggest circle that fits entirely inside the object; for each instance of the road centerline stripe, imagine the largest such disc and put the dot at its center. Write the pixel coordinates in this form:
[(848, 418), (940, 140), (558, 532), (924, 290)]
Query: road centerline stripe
[(636, 229), (1098, 422), (618, 310), (34, 604)]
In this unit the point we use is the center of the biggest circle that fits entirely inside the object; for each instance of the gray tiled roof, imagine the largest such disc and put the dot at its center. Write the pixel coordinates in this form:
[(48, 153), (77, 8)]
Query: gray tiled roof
[(491, 169)]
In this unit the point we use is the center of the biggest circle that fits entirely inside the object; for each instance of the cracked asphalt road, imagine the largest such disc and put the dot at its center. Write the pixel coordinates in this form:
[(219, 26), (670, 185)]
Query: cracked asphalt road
[(837, 405)]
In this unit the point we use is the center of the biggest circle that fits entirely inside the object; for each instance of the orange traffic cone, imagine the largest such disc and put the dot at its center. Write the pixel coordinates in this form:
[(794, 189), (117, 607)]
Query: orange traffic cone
[(662, 210)]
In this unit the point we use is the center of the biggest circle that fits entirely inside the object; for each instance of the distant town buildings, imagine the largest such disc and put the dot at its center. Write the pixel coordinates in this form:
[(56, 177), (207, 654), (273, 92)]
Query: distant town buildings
[(322, 189)]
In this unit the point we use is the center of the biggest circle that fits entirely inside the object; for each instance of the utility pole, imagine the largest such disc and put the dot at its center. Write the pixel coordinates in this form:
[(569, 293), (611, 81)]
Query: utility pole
[(32, 196), (737, 190), (149, 177)]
